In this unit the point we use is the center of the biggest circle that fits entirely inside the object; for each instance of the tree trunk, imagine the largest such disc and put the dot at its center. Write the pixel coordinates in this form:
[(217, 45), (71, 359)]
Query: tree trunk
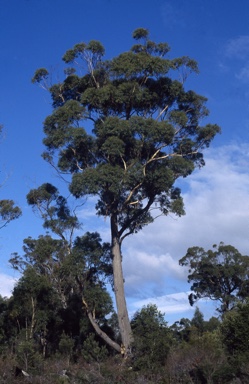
[(123, 318), (33, 320)]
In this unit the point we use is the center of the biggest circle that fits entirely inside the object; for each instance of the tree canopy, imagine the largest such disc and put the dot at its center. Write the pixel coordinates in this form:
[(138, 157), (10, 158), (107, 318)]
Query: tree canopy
[(219, 274)]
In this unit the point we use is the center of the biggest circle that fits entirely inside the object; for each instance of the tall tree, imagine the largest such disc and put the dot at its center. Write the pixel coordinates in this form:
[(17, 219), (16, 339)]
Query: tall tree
[(146, 135), (220, 274)]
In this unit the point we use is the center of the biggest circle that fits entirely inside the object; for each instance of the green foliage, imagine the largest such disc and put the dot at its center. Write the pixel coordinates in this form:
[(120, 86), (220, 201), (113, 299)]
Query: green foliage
[(66, 346), (88, 265), (93, 51), (186, 330), (92, 351), (198, 321), (220, 274), (53, 209), (146, 130), (74, 270), (152, 338), (40, 74), (5, 328), (199, 358), (140, 33), (235, 331), (8, 212), (33, 305), (67, 274), (25, 353)]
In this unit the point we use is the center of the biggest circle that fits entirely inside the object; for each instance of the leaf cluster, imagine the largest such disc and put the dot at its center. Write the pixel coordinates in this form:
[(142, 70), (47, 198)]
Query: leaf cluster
[(8, 212)]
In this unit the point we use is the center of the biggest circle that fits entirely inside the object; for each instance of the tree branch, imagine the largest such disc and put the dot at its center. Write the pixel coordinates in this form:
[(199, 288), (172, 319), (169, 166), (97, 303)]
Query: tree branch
[(99, 331)]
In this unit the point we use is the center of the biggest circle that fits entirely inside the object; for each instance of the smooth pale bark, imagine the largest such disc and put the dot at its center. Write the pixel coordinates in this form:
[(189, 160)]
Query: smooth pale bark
[(101, 333), (123, 318), (33, 320)]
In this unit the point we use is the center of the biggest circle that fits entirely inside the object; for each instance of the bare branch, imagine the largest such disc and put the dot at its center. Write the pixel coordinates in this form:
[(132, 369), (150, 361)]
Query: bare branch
[(98, 330)]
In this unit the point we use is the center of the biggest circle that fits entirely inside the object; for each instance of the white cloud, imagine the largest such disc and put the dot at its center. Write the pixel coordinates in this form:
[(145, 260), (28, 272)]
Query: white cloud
[(175, 306), (146, 271), (172, 303), (238, 47), (217, 209), (6, 284)]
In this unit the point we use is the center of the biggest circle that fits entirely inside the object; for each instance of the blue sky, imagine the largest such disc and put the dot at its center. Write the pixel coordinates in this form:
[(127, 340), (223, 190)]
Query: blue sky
[(37, 33)]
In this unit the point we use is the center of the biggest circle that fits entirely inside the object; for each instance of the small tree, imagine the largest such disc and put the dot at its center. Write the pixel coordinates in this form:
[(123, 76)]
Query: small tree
[(220, 274), (152, 338), (146, 134), (198, 321), (92, 351), (66, 345)]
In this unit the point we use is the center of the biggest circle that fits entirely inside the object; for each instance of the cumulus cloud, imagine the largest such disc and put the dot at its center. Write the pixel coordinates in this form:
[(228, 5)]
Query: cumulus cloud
[(6, 284), (217, 209), (146, 271), (174, 306), (172, 303)]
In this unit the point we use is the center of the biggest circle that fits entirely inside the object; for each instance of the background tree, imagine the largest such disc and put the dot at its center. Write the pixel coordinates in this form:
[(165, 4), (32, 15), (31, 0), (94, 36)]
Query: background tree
[(152, 339), (186, 329), (198, 322), (235, 334), (146, 134), (220, 274), (235, 330), (33, 310), (5, 332), (77, 268)]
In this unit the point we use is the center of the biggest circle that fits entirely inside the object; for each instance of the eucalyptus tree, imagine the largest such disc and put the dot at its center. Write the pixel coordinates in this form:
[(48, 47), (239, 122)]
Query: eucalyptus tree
[(77, 267), (146, 134), (220, 274)]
